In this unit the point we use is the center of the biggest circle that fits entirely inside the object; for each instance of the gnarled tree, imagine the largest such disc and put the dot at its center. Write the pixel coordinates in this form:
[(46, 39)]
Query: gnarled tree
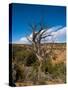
[(36, 40)]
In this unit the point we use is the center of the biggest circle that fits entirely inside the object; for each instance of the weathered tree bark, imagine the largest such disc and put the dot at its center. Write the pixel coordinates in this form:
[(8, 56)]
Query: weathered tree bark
[(39, 69)]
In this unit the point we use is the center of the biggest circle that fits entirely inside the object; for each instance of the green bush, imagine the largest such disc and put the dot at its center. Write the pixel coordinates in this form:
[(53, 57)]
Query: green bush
[(59, 71), (25, 56), (47, 65), (31, 59), (56, 71)]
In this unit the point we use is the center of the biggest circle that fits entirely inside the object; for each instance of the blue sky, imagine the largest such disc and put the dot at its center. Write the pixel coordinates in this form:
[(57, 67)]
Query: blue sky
[(24, 14)]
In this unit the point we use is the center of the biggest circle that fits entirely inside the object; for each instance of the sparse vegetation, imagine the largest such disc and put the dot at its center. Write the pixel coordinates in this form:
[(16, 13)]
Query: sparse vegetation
[(26, 66)]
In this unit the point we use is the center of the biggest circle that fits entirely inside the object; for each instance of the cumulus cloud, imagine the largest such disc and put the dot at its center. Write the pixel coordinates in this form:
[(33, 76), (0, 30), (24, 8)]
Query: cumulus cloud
[(60, 32), (58, 35)]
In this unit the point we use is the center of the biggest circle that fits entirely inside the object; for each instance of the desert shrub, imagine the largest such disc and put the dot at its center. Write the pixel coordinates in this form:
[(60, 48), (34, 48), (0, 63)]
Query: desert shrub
[(23, 55), (17, 49), (31, 59), (59, 71), (18, 72), (47, 64), (26, 57)]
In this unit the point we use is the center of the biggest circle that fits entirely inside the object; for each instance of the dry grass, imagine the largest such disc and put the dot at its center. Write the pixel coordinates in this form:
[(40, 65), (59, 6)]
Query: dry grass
[(55, 66)]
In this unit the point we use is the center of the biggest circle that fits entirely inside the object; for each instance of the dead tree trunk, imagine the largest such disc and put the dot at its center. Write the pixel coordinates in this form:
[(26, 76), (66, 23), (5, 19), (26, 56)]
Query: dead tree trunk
[(36, 44)]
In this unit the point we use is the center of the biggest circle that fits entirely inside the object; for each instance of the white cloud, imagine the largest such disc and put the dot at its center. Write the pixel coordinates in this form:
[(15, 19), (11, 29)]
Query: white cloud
[(22, 40), (52, 29), (57, 36), (60, 35), (58, 32)]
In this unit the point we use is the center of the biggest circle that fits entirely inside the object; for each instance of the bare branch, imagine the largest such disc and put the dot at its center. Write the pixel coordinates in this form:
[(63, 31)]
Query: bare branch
[(29, 39), (33, 26), (46, 36)]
